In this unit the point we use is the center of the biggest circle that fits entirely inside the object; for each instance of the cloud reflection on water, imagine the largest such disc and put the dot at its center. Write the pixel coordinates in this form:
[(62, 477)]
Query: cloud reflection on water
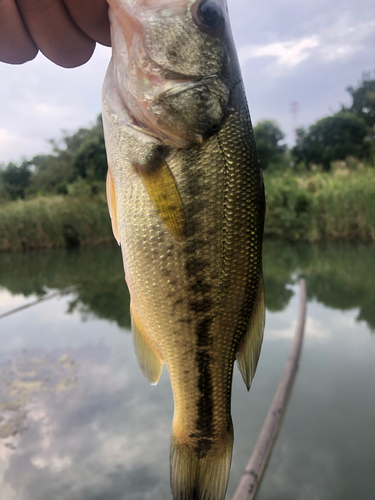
[(86, 438)]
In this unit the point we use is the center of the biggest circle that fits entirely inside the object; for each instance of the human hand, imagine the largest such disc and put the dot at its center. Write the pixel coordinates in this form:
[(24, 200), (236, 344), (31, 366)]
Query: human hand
[(65, 31)]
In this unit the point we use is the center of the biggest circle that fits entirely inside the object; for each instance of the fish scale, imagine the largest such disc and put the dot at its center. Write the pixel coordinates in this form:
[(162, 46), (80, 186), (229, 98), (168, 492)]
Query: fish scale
[(187, 205)]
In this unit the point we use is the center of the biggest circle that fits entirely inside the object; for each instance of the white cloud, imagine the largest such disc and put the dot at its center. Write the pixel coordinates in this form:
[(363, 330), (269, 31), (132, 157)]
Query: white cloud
[(344, 39), (287, 54), (340, 41), (54, 463)]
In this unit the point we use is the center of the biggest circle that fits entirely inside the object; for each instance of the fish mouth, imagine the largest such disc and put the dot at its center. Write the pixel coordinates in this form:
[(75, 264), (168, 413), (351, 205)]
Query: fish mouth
[(179, 77)]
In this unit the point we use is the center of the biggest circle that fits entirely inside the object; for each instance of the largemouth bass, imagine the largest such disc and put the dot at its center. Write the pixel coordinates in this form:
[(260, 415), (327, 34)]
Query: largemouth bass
[(186, 199)]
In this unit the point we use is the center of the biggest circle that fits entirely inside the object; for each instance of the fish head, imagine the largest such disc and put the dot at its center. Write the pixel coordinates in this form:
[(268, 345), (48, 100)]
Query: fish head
[(174, 62)]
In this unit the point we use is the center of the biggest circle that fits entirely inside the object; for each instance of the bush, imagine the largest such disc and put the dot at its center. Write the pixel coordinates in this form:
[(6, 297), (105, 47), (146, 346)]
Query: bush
[(289, 208), (321, 206)]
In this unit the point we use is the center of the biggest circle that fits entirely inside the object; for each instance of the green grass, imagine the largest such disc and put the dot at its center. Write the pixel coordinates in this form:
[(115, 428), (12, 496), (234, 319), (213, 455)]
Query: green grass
[(321, 206), (55, 221)]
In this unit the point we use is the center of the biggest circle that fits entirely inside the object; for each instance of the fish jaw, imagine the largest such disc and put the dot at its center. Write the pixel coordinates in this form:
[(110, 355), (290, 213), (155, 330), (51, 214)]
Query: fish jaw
[(167, 88)]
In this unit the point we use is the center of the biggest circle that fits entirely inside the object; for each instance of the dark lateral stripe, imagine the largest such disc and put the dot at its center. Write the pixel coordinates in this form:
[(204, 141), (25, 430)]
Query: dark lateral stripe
[(200, 304), (205, 424)]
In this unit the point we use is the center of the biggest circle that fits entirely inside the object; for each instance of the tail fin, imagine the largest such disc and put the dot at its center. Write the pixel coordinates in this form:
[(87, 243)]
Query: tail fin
[(200, 476)]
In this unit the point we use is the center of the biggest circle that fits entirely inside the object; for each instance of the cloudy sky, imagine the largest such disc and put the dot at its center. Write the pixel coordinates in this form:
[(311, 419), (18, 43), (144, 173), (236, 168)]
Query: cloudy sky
[(307, 52)]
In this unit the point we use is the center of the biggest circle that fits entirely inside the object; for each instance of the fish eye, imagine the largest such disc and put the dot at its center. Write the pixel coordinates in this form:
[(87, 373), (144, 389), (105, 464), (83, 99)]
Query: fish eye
[(208, 16)]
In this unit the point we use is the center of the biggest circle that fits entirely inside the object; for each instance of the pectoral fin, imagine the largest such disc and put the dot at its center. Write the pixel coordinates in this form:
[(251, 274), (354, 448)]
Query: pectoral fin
[(161, 187), (112, 207), (149, 361), (249, 350)]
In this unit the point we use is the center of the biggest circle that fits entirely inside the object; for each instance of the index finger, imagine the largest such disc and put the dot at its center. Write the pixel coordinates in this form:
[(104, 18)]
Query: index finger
[(92, 17), (55, 33), (16, 45)]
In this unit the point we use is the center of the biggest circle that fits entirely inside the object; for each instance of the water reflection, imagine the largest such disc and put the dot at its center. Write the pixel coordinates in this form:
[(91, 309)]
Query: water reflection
[(83, 440), (24, 378), (338, 276), (98, 272), (79, 422)]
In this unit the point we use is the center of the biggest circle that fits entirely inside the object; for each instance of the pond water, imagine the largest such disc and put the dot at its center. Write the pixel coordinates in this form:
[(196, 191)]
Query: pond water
[(78, 421)]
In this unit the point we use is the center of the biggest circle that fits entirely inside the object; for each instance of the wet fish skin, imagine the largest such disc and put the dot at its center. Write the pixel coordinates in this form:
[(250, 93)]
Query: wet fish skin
[(186, 198)]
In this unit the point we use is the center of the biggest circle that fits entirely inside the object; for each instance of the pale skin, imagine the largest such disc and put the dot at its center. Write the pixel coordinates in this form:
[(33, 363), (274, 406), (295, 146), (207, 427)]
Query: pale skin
[(65, 31)]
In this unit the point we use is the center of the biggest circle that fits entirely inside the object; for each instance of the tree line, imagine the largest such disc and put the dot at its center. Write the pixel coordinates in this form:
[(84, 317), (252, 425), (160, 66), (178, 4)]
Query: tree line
[(81, 157), (75, 158), (348, 133)]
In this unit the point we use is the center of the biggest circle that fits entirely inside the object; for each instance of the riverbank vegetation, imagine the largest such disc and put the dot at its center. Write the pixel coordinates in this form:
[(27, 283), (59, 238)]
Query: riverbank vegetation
[(54, 221), (320, 206), (321, 189)]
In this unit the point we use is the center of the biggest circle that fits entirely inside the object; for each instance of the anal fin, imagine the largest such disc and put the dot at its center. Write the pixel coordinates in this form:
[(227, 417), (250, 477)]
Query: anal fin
[(249, 350), (149, 361)]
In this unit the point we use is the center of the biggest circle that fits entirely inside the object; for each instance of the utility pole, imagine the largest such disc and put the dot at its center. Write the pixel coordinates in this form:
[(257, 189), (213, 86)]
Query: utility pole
[(294, 110)]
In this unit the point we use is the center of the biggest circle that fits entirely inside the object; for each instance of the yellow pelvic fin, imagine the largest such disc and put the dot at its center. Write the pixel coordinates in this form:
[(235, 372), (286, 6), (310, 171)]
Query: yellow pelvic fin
[(199, 476), (249, 351), (112, 207), (149, 361), (161, 187)]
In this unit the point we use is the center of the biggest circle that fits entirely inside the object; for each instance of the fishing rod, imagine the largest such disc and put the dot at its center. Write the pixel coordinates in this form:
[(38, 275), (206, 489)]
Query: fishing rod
[(255, 467)]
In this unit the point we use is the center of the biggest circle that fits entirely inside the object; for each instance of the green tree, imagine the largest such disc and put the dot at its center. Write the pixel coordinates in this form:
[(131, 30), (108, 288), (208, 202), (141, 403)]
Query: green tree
[(364, 102), (15, 179), (268, 137), (332, 138), (51, 174), (90, 161), (77, 156)]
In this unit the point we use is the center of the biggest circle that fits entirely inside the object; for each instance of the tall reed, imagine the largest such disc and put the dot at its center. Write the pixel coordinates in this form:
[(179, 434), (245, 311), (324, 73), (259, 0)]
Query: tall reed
[(310, 207), (55, 221)]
